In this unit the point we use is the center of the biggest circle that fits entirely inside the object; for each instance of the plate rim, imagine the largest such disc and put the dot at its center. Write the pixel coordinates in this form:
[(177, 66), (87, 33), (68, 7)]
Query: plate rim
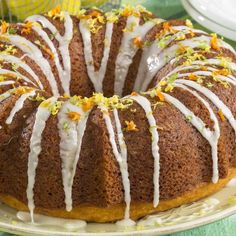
[(207, 22), (6, 227)]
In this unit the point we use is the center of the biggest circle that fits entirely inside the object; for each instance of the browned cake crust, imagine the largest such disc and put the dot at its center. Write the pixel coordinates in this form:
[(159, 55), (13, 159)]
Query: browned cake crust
[(186, 165)]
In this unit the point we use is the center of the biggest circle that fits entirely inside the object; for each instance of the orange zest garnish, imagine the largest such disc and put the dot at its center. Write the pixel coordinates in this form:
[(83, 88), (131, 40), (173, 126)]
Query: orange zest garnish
[(192, 76), (87, 105), (49, 52), (138, 42), (214, 42), (134, 94), (22, 90), (204, 68), (95, 14), (224, 72), (221, 115), (181, 49), (27, 27), (130, 126), (192, 34), (4, 27), (54, 11), (160, 95), (75, 116)]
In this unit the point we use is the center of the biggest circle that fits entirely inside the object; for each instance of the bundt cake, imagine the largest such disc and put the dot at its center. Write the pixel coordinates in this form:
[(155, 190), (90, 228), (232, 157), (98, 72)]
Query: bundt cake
[(111, 116)]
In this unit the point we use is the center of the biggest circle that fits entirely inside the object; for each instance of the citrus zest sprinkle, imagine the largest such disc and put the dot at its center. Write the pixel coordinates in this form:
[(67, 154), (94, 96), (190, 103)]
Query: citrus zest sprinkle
[(75, 116), (160, 95), (27, 27), (4, 27), (192, 76), (130, 126), (214, 42), (221, 115)]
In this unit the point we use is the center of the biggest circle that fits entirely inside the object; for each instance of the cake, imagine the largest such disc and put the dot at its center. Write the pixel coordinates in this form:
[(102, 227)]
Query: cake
[(113, 116)]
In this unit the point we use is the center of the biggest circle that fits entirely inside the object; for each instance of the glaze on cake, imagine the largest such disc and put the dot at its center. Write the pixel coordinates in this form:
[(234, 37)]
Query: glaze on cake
[(111, 116)]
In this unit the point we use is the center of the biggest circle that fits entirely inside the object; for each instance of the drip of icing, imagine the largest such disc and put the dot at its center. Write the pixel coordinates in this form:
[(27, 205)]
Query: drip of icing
[(213, 117), (70, 146), (7, 82), (124, 169), (210, 136), (7, 72), (96, 77), (18, 106), (36, 55), (43, 220), (146, 105), (41, 118), (120, 157), (23, 65), (64, 42), (213, 98), (128, 50)]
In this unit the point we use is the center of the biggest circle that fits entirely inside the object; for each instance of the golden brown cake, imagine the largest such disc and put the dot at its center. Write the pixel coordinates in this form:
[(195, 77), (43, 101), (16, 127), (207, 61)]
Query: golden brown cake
[(111, 116)]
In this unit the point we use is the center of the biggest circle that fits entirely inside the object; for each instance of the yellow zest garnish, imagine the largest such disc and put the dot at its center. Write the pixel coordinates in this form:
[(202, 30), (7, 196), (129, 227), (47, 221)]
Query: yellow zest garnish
[(138, 42), (192, 77), (27, 27), (214, 42), (161, 96), (189, 23), (130, 126), (75, 116), (221, 115), (4, 27), (134, 94)]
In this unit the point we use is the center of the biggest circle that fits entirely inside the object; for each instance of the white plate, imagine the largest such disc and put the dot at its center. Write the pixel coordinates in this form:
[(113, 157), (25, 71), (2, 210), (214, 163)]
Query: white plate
[(215, 15), (216, 207)]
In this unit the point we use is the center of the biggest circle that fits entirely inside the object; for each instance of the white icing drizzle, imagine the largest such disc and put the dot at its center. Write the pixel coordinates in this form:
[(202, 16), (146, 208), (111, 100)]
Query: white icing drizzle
[(9, 72), (214, 138), (70, 146), (124, 164), (18, 106), (7, 82), (121, 157), (41, 118), (23, 65), (128, 50), (146, 105), (6, 95), (96, 77), (36, 55), (64, 42), (210, 136), (209, 61), (230, 78), (213, 98)]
